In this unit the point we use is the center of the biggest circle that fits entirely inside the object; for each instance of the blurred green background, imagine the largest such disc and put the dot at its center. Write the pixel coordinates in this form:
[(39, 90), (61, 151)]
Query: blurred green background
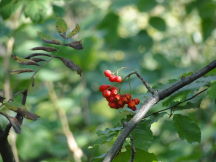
[(160, 39)]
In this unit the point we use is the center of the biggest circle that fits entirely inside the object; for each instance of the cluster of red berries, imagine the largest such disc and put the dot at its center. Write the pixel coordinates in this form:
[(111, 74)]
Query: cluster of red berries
[(112, 77), (116, 100)]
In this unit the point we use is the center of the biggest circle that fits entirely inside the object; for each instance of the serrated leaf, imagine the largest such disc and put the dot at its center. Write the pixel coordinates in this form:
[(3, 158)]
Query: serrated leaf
[(187, 128), (61, 25), (74, 31), (21, 71)]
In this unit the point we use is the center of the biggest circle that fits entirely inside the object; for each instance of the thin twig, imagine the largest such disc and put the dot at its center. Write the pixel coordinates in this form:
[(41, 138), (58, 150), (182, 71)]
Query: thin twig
[(72, 144), (145, 83), (177, 104), (149, 103), (133, 150)]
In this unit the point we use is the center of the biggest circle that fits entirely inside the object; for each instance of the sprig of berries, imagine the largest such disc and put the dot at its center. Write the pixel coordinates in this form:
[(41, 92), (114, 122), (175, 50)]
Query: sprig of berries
[(112, 77), (111, 93)]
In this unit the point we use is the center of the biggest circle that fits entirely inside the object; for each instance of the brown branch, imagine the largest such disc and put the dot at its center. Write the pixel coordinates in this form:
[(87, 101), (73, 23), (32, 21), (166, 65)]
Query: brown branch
[(72, 144), (175, 105), (145, 83), (5, 148), (133, 150), (148, 105)]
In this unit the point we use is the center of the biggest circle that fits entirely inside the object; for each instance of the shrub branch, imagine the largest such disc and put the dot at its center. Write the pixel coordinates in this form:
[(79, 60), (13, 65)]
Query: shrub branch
[(149, 103)]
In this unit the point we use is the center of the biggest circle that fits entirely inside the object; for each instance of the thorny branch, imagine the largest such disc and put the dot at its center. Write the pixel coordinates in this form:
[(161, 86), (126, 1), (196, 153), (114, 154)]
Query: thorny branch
[(149, 103)]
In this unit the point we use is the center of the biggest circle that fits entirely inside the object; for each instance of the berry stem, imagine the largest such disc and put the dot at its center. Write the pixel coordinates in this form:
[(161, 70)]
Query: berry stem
[(145, 83)]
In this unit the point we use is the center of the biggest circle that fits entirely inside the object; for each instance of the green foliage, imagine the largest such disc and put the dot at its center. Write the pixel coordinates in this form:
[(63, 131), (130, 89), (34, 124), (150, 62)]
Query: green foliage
[(158, 23), (212, 90), (36, 10), (61, 25), (187, 128), (146, 5), (8, 7), (165, 41), (142, 135), (140, 156), (109, 25)]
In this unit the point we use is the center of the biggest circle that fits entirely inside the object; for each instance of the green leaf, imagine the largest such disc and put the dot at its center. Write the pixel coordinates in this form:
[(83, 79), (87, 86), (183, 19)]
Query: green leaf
[(207, 25), (143, 137), (178, 97), (74, 31), (146, 5), (107, 135), (36, 10), (61, 25), (140, 156), (110, 25), (157, 23), (142, 40), (4, 2), (8, 7), (187, 128), (212, 91)]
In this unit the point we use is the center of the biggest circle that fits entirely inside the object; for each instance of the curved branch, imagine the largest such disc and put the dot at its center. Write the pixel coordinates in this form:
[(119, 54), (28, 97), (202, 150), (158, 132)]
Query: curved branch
[(148, 105), (145, 83), (179, 103)]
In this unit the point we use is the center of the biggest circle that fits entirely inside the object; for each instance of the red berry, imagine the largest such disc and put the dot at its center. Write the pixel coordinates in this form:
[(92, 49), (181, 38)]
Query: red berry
[(112, 78), (128, 96), (110, 99), (118, 79), (131, 104), (103, 87), (117, 97), (121, 103), (107, 73), (112, 105), (136, 100), (106, 93), (114, 90), (133, 108), (124, 99)]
